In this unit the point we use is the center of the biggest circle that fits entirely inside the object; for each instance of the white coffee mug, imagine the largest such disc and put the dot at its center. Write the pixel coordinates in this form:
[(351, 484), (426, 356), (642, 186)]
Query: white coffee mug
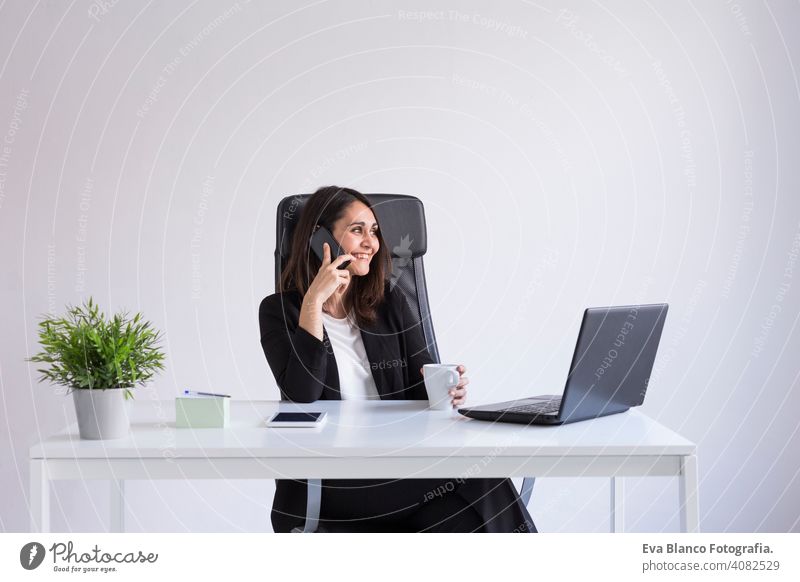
[(439, 380)]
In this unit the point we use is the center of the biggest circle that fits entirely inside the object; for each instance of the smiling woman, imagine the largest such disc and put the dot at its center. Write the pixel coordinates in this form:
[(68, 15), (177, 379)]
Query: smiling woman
[(337, 332), (359, 288)]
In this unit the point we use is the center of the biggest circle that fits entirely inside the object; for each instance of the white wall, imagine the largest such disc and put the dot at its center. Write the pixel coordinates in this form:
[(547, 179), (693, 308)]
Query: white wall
[(614, 153)]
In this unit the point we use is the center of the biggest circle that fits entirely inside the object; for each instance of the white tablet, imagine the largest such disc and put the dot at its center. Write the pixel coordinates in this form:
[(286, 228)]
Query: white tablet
[(297, 419)]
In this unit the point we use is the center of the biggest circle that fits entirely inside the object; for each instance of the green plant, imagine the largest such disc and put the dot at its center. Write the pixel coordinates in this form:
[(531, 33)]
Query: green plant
[(87, 350)]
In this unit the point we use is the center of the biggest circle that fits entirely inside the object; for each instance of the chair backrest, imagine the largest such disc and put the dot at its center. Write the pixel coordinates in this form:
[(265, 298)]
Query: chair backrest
[(402, 221)]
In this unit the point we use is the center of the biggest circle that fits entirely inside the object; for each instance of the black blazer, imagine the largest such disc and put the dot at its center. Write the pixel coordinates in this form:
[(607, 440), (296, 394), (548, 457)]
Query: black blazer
[(305, 368)]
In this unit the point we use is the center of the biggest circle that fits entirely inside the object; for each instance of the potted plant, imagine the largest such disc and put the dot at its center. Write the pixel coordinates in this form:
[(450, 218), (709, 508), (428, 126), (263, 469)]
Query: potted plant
[(99, 360)]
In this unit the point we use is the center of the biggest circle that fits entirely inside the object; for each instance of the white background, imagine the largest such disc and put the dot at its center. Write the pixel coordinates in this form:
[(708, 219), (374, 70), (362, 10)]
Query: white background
[(606, 154)]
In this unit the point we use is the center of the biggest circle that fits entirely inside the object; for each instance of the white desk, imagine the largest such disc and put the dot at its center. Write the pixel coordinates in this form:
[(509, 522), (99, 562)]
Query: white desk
[(377, 439)]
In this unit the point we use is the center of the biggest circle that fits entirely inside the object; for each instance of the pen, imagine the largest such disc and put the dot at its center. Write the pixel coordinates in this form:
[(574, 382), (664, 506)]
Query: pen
[(193, 393)]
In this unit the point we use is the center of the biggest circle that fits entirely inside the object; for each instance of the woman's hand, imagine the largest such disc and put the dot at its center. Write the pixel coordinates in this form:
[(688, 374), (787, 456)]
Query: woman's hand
[(459, 392), (329, 279)]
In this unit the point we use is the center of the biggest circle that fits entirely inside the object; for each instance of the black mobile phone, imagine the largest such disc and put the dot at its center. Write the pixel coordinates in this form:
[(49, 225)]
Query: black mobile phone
[(323, 235), (298, 419)]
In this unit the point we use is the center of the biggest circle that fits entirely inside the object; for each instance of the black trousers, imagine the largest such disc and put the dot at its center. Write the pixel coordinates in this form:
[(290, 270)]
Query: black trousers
[(417, 505)]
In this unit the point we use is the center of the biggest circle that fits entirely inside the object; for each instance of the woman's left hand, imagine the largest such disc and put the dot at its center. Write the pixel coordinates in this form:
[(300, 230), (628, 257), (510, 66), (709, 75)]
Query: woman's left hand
[(459, 392)]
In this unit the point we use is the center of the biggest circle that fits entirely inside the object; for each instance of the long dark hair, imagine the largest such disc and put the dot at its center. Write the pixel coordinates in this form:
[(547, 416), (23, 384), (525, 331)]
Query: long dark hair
[(324, 208)]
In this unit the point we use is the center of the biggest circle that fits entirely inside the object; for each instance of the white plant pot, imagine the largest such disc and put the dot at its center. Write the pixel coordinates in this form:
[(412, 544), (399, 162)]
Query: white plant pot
[(102, 414)]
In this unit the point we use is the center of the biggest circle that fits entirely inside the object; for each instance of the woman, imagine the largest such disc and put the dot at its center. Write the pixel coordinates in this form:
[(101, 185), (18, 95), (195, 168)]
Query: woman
[(325, 335)]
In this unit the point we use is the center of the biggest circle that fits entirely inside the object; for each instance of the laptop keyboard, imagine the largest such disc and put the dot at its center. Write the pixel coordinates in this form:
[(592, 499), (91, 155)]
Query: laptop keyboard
[(548, 407)]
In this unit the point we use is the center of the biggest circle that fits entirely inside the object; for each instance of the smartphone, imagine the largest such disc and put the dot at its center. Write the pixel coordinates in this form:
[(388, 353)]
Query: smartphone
[(297, 419), (323, 235)]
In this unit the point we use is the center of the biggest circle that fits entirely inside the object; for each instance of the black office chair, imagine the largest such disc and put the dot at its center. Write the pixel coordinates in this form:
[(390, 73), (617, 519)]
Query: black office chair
[(402, 222)]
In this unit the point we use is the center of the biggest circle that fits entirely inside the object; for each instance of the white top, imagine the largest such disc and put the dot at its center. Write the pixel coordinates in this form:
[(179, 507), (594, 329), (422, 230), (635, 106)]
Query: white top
[(355, 375)]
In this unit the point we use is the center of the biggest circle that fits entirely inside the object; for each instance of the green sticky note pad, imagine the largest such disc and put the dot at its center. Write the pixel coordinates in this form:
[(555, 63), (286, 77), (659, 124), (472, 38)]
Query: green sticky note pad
[(202, 412)]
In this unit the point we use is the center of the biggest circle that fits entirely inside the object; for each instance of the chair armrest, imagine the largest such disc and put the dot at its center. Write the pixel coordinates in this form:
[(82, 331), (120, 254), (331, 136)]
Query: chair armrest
[(313, 503)]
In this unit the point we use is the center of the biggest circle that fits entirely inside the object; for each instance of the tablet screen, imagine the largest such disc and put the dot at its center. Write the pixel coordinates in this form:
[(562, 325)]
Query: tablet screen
[(296, 417)]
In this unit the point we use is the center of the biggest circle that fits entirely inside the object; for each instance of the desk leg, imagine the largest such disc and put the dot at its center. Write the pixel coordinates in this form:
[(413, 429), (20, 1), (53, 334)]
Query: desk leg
[(40, 496), (689, 504), (617, 501), (117, 506)]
